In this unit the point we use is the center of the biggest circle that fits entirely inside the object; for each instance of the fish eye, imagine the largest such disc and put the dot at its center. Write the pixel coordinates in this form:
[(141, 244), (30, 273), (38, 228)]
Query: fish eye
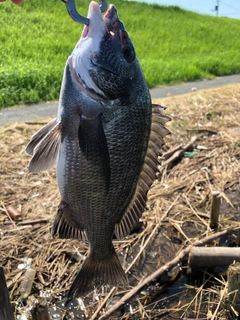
[(128, 53)]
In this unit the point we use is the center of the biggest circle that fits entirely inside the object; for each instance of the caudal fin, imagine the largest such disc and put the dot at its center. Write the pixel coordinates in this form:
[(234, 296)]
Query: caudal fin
[(97, 272)]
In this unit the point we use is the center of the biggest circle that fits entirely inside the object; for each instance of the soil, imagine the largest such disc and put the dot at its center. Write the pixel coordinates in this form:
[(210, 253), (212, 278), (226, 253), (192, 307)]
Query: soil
[(178, 208)]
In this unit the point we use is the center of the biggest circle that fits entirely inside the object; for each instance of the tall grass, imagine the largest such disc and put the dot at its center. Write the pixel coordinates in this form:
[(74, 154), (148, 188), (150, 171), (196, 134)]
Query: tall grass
[(173, 45)]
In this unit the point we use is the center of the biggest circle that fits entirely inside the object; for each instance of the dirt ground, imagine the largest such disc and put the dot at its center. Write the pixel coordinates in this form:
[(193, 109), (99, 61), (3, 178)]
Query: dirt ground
[(201, 155)]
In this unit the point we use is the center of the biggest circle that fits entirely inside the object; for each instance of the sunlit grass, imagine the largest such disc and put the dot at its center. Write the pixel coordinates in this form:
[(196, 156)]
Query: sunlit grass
[(173, 45)]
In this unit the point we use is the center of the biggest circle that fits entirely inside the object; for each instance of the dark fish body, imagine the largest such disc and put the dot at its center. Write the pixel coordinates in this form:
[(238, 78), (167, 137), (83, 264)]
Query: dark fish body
[(104, 142)]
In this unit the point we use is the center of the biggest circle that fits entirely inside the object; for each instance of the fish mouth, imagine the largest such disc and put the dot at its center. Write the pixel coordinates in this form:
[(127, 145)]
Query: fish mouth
[(109, 19), (84, 58)]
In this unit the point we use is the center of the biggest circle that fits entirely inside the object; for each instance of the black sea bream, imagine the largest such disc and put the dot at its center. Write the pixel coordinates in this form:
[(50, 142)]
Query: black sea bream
[(105, 143)]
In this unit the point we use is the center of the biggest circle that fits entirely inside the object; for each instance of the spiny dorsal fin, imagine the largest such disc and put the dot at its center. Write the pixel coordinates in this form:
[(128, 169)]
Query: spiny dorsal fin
[(45, 154), (39, 135), (148, 173)]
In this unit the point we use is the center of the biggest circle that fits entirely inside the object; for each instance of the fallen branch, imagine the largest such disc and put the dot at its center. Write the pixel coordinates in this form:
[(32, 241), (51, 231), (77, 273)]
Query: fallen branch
[(213, 256), (180, 257), (178, 154), (23, 223), (34, 123), (152, 233), (203, 130), (16, 229), (170, 152), (28, 222)]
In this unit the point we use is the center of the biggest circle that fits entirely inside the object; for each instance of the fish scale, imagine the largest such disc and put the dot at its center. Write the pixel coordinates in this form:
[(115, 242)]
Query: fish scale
[(105, 143), (87, 195), (124, 149)]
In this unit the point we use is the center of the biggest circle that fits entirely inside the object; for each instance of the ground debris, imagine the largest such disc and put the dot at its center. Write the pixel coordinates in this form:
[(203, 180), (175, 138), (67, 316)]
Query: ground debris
[(177, 216)]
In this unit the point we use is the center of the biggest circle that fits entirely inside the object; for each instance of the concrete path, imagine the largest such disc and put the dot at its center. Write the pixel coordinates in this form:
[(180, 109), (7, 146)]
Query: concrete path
[(49, 109)]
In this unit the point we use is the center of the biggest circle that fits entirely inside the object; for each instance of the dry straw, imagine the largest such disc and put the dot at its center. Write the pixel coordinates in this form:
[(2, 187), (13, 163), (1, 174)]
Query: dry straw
[(200, 156)]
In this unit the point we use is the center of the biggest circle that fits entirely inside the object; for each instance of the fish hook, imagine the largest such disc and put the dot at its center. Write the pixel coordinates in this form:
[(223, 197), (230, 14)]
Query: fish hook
[(71, 8), (103, 5)]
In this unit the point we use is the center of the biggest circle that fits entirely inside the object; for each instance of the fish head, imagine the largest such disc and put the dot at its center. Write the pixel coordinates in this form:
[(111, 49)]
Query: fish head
[(104, 61)]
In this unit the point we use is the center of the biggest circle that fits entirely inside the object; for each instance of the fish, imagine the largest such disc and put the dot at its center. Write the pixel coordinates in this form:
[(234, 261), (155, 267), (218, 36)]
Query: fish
[(104, 143)]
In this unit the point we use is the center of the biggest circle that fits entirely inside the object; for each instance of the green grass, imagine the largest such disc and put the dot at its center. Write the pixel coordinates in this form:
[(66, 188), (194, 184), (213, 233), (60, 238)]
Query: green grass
[(173, 45)]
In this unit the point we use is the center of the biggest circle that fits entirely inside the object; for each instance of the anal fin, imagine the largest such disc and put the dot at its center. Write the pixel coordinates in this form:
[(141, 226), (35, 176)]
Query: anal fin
[(63, 228)]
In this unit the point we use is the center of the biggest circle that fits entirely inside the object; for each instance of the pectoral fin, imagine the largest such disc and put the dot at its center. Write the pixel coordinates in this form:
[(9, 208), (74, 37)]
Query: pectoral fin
[(93, 143), (39, 135), (45, 153)]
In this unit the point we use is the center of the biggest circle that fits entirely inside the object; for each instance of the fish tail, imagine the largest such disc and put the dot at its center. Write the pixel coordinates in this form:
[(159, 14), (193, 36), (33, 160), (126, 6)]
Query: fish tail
[(97, 272)]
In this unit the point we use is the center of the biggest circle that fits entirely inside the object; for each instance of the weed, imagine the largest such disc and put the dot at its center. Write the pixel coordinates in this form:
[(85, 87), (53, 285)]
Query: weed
[(173, 46)]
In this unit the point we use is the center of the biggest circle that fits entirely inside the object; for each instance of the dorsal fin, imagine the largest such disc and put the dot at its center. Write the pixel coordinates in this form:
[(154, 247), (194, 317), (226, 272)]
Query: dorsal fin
[(147, 175)]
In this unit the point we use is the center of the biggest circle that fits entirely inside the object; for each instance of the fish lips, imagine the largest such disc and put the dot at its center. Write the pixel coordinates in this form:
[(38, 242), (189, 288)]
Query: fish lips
[(111, 17), (108, 21)]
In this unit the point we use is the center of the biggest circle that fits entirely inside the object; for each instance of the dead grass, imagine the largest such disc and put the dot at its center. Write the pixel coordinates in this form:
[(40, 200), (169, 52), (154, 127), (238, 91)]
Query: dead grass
[(178, 206)]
